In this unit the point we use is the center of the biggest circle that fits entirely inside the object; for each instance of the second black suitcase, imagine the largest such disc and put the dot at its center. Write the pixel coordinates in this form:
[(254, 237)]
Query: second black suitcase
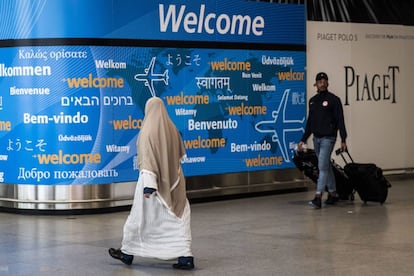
[(344, 187), (369, 182)]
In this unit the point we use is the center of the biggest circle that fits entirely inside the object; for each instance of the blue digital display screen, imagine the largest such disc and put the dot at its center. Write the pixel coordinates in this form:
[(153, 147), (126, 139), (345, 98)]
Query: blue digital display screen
[(71, 113), (209, 20)]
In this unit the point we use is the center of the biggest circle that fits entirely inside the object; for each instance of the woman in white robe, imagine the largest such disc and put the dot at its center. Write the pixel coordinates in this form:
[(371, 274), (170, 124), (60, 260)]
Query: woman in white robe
[(158, 225)]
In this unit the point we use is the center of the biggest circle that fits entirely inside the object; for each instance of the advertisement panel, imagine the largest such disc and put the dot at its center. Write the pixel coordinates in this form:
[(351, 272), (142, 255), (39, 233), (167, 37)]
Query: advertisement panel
[(369, 68)]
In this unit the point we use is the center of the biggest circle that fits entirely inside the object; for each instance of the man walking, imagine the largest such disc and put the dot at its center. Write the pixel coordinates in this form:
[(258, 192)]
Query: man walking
[(325, 119)]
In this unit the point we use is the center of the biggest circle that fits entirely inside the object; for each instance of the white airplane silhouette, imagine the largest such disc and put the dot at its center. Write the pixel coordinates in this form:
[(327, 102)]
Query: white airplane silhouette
[(268, 126), (148, 77)]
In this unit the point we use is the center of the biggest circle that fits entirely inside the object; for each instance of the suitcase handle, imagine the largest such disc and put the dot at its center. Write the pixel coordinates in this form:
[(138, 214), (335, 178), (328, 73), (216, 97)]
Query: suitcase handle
[(341, 152)]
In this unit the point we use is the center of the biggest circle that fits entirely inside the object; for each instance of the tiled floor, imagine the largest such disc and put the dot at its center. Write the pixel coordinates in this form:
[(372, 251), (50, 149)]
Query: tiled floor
[(268, 235)]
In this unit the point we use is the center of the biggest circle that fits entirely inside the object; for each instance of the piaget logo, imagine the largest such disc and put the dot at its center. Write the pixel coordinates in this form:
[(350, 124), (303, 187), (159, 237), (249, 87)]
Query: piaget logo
[(371, 86)]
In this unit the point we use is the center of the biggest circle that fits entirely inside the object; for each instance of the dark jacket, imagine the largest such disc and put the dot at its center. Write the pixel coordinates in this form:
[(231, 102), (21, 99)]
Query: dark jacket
[(326, 117)]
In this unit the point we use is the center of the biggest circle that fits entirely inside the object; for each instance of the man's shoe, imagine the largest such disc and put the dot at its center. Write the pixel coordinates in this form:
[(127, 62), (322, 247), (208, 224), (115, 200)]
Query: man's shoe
[(186, 263), (117, 254), (332, 200), (316, 203)]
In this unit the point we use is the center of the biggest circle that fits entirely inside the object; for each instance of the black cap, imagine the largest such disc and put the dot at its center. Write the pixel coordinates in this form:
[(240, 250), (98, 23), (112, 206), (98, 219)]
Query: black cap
[(321, 75)]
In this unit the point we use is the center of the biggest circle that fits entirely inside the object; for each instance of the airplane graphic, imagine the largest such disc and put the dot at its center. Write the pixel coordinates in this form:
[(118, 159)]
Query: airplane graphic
[(269, 126), (149, 77)]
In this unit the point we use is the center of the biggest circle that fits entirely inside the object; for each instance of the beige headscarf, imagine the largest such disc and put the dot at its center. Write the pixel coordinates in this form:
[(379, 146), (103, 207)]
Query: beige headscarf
[(160, 149)]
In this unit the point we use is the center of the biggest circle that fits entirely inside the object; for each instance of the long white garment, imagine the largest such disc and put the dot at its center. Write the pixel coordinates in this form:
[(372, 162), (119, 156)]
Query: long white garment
[(152, 230)]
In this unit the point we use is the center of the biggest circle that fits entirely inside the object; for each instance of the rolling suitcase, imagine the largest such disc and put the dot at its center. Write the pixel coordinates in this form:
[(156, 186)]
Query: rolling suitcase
[(370, 183), (344, 186), (307, 162)]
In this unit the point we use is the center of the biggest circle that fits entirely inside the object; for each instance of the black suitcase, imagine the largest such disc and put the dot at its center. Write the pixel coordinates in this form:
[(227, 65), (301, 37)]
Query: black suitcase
[(307, 162), (370, 183), (344, 186)]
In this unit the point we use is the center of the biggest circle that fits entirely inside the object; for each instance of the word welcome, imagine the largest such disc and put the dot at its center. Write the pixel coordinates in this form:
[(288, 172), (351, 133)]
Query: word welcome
[(209, 23)]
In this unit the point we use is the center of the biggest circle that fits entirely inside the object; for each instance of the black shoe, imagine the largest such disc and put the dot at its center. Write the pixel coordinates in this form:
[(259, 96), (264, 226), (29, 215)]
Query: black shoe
[(186, 263), (316, 203), (332, 200), (117, 254)]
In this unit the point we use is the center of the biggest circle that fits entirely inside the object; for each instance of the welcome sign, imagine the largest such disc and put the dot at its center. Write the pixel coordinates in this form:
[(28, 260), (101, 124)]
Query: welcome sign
[(71, 108)]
